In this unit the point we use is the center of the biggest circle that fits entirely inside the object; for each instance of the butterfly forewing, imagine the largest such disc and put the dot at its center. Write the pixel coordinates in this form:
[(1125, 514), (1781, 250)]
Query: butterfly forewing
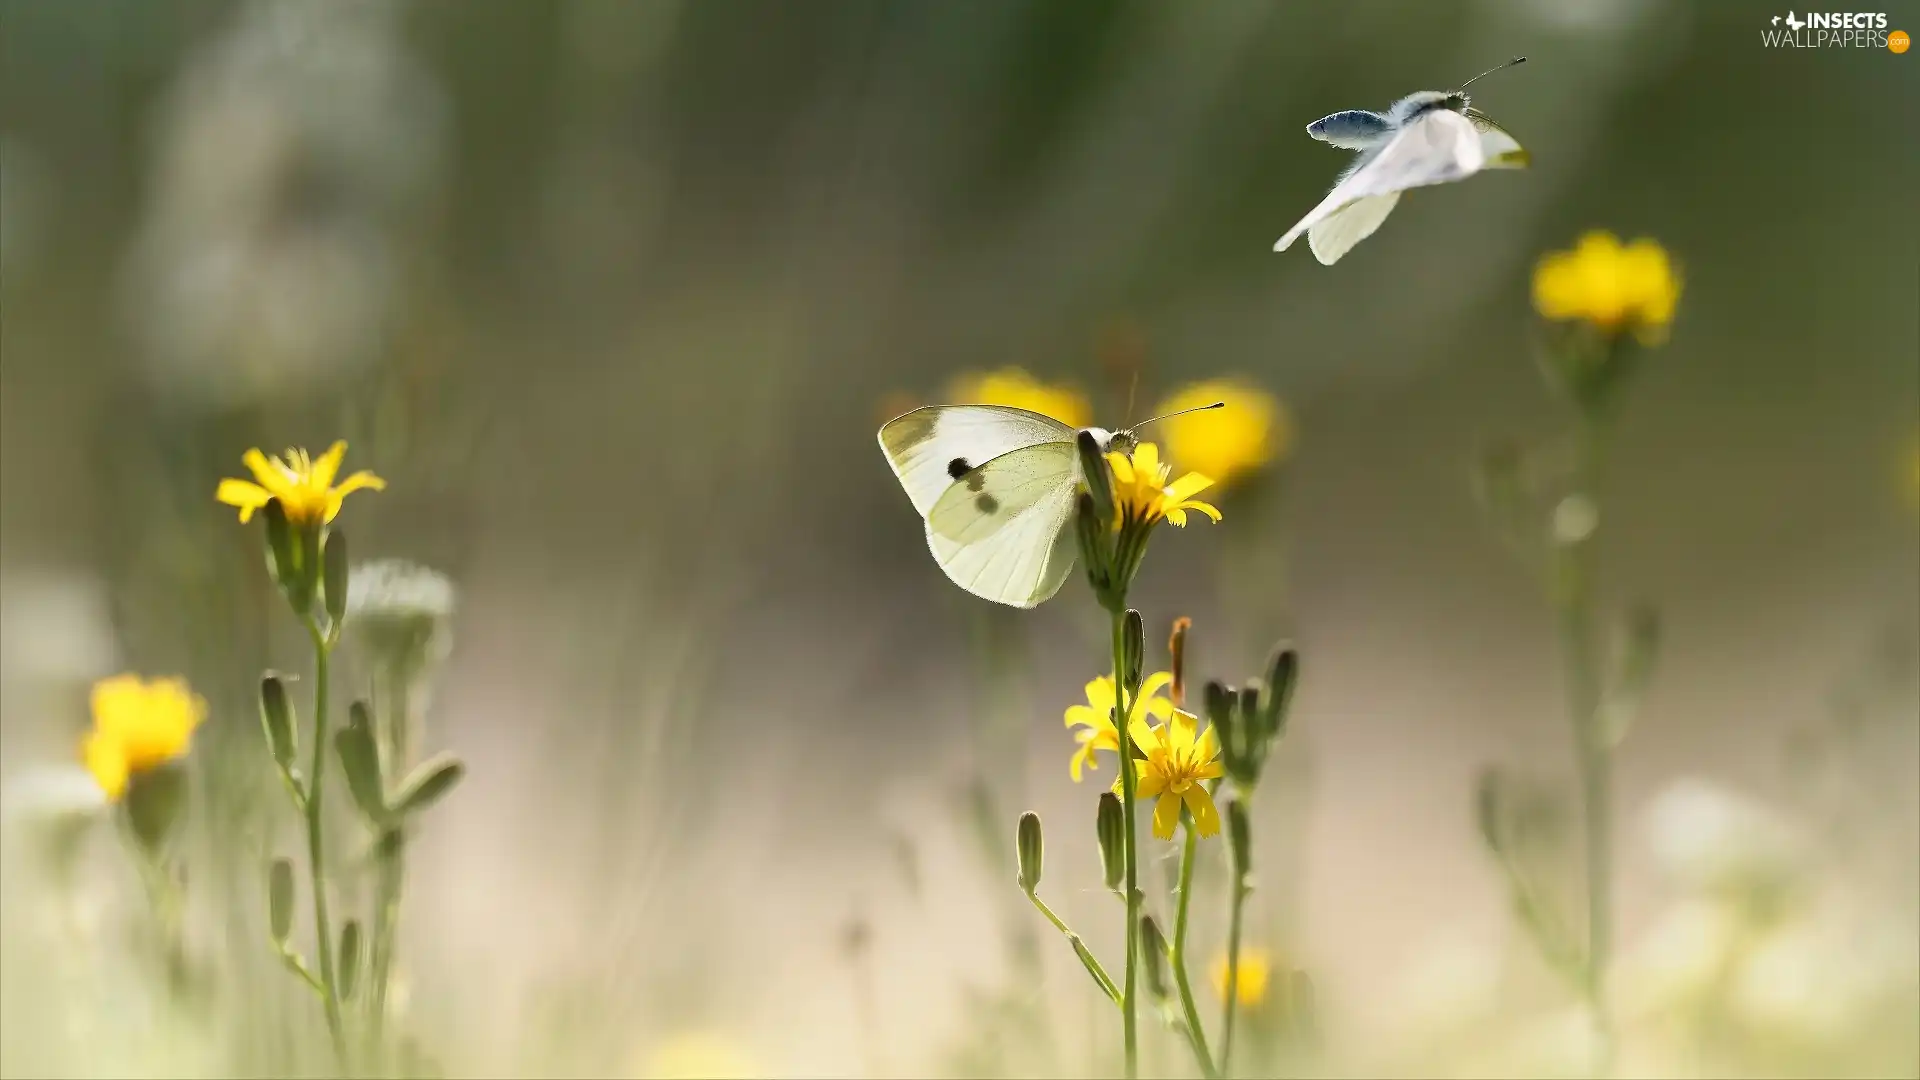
[(930, 448), (1502, 150)]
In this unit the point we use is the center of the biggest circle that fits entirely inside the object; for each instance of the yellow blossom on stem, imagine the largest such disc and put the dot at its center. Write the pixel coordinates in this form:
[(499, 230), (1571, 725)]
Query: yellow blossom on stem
[(1616, 288), (1179, 758), (138, 726), (1014, 387), (303, 485), (1252, 431), (1250, 981), (1095, 718), (1142, 496)]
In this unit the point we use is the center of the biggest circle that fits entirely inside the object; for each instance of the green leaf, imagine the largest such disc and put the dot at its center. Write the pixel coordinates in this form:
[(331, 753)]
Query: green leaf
[(429, 784), (333, 575)]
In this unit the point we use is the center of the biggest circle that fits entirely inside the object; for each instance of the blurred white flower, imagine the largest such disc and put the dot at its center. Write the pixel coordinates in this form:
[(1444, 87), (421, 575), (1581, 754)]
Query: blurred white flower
[(1708, 837), (1827, 971), (400, 611), (50, 793), (1681, 957), (291, 161)]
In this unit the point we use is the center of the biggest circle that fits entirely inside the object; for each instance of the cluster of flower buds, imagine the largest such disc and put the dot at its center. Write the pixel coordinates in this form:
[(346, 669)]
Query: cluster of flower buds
[(1251, 718)]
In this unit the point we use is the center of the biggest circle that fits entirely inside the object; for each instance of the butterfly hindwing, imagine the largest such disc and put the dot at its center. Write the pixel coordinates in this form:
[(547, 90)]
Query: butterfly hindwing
[(989, 498), (1021, 564), (930, 448), (1335, 235)]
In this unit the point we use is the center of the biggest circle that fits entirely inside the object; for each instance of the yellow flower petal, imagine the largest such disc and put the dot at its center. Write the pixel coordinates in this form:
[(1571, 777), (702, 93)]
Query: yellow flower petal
[(109, 767), (1166, 814), (1200, 805), (328, 465), (1187, 486), (1148, 781), (245, 494)]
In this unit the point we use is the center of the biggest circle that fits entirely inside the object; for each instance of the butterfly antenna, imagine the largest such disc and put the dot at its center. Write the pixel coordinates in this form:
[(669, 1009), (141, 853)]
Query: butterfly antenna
[(1182, 412), (1133, 383), (1491, 70)]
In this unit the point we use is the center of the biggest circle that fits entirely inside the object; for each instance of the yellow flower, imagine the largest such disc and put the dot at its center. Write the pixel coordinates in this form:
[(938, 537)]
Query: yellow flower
[(1172, 772), (1251, 431), (1096, 717), (1256, 968), (304, 486), (1142, 495), (1618, 288), (137, 726), (1012, 386)]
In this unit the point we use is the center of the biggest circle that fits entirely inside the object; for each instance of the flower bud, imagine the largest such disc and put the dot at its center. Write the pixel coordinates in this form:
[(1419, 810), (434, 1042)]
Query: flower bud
[(428, 784), (360, 761), (1276, 693), (1239, 836), (1153, 955), (1094, 471), (276, 719), (333, 575), (1027, 842), (1110, 826), (1133, 639), (349, 958), (280, 900)]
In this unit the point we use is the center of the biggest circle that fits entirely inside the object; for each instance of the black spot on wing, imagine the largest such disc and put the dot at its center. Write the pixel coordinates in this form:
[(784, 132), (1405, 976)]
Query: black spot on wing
[(976, 481), (987, 503), (957, 467)]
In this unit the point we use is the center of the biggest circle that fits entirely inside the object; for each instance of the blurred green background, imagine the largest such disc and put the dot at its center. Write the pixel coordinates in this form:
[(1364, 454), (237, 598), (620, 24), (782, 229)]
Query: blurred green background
[(615, 294)]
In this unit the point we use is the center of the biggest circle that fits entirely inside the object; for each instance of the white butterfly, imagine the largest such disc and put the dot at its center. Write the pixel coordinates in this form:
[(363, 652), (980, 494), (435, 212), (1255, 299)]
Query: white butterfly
[(997, 487), (1427, 137)]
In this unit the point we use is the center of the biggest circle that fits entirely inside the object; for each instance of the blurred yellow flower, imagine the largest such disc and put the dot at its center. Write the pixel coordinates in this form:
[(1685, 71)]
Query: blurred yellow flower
[(1251, 431), (1014, 387), (1618, 288), (699, 1055), (1256, 968), (137, 726), (1095, 718), (1172, 772), (304, 486), (1142, 495)]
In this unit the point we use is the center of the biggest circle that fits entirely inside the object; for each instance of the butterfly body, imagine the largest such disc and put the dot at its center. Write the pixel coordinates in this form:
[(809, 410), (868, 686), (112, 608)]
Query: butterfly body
[(1427, 137)]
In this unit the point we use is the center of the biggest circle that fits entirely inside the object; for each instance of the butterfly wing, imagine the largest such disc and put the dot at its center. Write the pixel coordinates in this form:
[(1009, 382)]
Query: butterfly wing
[(1436, 147), (930, 448), (1335, 235), (1502, 150), (1001, 531)]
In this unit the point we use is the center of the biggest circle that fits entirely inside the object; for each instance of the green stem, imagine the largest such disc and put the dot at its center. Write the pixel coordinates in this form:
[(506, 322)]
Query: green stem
[(1128, 845), (316, 848), (391, 853), (1177, 957), (1079, 947), (1230, 1008), (1579, 656)]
